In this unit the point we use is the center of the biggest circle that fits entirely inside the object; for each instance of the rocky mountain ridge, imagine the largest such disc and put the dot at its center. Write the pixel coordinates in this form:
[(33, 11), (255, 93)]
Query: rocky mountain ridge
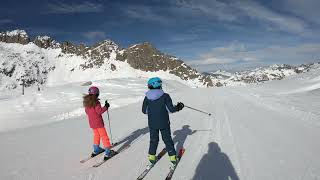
[(261, 74), (144, 57)]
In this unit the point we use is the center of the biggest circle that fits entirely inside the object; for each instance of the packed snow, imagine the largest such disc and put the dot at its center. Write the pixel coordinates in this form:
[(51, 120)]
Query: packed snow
[(63, 102), (264, 131)]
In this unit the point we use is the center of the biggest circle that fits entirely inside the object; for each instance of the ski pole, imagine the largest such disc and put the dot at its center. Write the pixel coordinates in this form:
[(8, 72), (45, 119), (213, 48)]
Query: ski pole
[(198, 110), (110, 128)]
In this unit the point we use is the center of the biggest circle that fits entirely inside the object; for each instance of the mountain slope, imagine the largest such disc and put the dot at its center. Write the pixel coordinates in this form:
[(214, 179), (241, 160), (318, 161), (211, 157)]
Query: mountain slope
[(44, 61), (66, 62), (262, 74)]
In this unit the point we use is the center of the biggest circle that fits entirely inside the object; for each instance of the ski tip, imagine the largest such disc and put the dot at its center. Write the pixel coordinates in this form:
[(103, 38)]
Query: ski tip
[(84, 160)]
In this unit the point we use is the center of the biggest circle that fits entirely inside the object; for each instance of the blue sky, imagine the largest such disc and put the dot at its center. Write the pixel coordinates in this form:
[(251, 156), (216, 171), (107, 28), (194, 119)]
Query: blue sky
[(207, 34)]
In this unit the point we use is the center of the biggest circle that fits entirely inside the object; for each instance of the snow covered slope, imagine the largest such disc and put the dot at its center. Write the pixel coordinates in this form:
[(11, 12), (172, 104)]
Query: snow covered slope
[(266, 131), (64, 102)]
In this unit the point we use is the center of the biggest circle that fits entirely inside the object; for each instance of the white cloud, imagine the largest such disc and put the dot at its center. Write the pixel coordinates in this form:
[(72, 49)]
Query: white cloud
[(283, 22), (217, 9), (239, 53), (145, 13), (238, 11), (224, 55), (307, 9), (84, 7), (180, 38), (5, 21), (93, 35)]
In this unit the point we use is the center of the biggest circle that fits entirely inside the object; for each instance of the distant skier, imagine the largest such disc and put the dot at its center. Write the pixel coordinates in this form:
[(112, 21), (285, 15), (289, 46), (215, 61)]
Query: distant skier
[(94, 111), (156, 104)]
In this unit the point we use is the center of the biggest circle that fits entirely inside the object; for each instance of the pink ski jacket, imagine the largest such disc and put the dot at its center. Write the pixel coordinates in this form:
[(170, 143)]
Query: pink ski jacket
[(95, 115)]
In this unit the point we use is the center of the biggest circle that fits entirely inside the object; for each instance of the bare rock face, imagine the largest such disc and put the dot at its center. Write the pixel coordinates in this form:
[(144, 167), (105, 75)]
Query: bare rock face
[(46, 42), (99, 52), (219, 84), (96, 55), (113, 67), (145, 57), (16, 36), (69, 48)]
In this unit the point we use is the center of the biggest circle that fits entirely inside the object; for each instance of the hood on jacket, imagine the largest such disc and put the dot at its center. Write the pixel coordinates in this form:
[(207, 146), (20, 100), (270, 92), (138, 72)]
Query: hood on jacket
[(154, 94)]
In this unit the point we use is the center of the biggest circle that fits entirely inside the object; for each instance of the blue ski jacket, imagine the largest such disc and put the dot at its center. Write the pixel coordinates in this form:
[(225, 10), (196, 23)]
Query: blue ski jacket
[(157, 104)]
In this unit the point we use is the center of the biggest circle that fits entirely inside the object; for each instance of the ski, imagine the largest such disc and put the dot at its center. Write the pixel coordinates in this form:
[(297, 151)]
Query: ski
[(90, 157), (172, 169), (114, 154), (149, 167)]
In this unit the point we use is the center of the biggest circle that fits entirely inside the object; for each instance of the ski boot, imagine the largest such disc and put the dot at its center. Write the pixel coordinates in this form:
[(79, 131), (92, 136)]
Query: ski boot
[(96, 150), (173, 160), (108, 154), (152, 161)]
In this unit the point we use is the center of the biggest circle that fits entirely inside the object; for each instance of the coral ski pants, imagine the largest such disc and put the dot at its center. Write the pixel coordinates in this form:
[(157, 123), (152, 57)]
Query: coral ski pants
[(101, 134)]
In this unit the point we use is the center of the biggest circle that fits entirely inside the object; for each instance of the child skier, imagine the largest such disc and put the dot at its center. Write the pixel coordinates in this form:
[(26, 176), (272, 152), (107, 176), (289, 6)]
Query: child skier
[(94, 112), (156, 104)]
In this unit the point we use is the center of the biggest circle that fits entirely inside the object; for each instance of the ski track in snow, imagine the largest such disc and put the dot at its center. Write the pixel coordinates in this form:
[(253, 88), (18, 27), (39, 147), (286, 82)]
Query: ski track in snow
[(255, 132), (295, 123)]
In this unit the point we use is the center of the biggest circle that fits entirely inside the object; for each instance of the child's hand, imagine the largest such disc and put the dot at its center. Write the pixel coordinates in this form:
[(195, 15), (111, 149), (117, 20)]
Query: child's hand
[(106, 104), (180, 106)]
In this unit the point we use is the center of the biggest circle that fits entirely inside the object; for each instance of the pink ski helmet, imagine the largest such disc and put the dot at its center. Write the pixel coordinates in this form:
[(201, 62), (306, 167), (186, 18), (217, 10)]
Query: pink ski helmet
[(93, 90)]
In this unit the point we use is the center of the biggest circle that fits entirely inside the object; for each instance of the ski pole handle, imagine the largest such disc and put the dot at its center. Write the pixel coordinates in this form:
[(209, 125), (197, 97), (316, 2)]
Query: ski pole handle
[(197, 110)]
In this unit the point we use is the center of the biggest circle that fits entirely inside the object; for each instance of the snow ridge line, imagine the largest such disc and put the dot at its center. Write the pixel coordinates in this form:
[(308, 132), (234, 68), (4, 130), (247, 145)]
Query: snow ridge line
[(217, 136), (246, 171), (203, 142), (234, 145)]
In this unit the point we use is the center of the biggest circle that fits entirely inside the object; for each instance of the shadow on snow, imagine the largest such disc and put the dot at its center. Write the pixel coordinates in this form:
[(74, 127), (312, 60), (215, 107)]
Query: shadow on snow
[(181, 135), (215, 164), (133, 136)]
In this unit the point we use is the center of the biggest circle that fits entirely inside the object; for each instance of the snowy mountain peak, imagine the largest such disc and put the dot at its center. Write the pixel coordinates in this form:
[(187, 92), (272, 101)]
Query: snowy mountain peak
[(15, 36), (105, 46), (147, 58), (17, 32), (261, 74), (146, 46), (108, 42), (46, 42)]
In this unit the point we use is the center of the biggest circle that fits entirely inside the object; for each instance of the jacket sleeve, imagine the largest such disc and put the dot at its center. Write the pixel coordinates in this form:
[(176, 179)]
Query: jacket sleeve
[(169, 104), (145, 105), (100, 110)]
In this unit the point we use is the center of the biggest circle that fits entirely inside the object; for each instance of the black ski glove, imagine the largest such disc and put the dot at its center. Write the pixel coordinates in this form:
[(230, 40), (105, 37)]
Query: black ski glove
[(106, 104), (180, 106)]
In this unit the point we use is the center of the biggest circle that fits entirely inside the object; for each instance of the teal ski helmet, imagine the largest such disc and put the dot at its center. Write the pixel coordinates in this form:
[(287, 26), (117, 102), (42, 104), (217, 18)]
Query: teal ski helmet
[(154, 83)]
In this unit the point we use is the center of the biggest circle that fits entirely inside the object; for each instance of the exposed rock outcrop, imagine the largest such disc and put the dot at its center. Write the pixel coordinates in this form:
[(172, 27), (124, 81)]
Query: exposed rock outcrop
[(16, 36), (46, 42)]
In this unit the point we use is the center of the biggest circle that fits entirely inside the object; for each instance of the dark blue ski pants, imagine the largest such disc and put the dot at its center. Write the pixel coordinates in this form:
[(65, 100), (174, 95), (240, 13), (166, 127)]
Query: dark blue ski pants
[(166, 137)]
